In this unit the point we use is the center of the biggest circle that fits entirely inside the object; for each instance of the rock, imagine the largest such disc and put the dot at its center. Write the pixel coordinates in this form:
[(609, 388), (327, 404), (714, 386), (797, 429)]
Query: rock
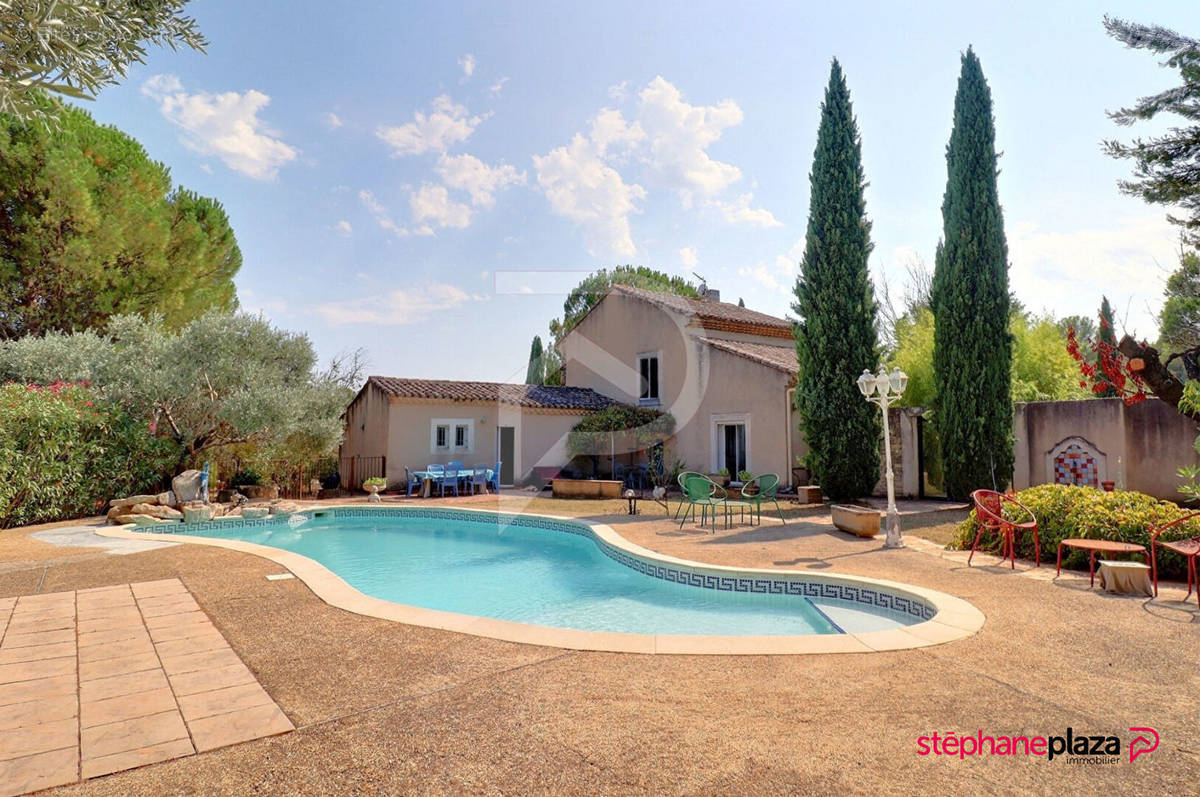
[(116, 512), (167, 498), (197, 514), (283, 508), (237, 499), (186, 487), (219, 510), (139, 519), (255, 512), (659, 493), (154, 510), (260, 491), (134, 499), (235, 512)]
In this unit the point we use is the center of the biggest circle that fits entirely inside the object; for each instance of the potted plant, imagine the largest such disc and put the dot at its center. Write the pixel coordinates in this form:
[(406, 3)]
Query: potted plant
[(721, 477), (373, 485), (747, 488)]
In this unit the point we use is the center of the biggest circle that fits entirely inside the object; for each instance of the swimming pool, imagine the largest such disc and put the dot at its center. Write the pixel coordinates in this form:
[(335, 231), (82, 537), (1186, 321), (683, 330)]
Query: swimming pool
[(573, 583)]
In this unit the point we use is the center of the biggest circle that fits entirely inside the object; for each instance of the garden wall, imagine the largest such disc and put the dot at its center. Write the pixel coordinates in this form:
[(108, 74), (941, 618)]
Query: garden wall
[(1138, 447)]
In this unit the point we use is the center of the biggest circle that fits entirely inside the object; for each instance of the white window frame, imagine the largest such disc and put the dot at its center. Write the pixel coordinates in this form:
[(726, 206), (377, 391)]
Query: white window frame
[(649, 355), (451, 425), (716, 456)]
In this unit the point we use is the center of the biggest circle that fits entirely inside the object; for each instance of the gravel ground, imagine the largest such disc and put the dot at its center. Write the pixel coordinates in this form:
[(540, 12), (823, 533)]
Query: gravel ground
[(382, 707)]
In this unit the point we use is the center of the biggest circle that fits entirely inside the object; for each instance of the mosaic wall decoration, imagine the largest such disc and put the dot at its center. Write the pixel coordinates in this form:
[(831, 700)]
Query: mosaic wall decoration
[(1076, 461)]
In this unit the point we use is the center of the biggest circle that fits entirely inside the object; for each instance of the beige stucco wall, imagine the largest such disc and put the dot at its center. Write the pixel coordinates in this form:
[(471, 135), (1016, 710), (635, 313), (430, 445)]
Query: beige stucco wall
[(366, 425), (539, 437), (697, 382)]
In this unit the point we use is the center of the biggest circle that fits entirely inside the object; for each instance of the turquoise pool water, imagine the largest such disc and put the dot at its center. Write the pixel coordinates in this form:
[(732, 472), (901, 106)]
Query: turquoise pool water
[(484, 567)]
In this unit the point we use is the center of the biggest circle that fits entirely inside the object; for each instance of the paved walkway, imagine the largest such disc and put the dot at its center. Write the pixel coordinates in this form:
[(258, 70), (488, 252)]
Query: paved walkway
[(101, 680)]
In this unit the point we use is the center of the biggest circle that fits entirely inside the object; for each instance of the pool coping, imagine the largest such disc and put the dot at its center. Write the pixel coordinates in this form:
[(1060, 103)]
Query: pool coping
[(954, 619)]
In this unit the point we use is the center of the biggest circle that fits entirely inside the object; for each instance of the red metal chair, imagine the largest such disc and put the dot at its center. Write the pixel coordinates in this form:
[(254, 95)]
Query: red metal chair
[(1189, 549), (989, 513)]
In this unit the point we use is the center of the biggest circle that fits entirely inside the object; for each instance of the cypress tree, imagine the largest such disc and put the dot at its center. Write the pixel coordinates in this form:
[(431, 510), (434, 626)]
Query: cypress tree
[(1108, 335), (972, 349), (535, 374), (835, 337)]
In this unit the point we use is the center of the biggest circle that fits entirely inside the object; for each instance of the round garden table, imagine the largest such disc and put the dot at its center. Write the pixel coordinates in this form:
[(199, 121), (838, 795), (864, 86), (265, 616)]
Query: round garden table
[(1094, 547)]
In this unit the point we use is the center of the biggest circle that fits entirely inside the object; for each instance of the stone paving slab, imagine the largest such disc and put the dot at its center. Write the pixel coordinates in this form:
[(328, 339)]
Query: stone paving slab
[(102, 680)]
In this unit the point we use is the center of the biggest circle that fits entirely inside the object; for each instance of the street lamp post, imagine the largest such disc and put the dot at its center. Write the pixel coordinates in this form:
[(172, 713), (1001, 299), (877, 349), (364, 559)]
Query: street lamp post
[(885, 389)]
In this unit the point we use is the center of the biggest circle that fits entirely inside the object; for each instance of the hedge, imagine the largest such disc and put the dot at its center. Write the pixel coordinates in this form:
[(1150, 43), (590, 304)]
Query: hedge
[(1064, 511), (64, 452)]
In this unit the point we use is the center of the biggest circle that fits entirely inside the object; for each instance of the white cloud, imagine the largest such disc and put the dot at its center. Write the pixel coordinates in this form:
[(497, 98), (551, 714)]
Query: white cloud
[(467, 62), (333, 120), (271, 307), (679, 135), (224, 125), (688, 256), (581, 187), (468, 173), (619, 92), (397, 307), (381, 214), (432, 206), (343, 228), (667, 138), (448, 123), (740, 212), (1066, 272), (497, 87), (780, 275)]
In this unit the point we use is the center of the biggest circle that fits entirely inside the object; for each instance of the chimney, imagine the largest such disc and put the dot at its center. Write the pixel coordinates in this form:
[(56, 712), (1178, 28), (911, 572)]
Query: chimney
[(712, 295)]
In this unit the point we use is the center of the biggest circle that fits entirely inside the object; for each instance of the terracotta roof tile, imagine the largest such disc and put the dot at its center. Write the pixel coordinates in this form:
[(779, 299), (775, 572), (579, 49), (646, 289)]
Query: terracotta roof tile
[(533, 396), (781, 358), (708, 311)]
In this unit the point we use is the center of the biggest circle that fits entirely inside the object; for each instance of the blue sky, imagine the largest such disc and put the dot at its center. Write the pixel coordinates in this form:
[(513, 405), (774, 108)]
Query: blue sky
[(425, 181)]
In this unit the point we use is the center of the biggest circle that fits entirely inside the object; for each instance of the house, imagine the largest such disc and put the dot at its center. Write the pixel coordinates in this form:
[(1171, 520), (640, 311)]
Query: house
[(726, 373), (397, 423)]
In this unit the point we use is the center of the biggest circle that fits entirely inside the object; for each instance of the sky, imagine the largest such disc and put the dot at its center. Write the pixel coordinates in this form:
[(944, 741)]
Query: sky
[(426, 181)]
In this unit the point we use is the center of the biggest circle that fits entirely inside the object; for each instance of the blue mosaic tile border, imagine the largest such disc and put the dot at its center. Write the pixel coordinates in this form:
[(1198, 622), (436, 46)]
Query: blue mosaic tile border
[(796, 586)]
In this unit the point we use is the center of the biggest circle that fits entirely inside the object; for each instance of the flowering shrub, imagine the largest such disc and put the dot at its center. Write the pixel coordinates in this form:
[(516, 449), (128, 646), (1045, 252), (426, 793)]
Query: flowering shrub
[(64, 452), (1064, 511), (1110, 372)]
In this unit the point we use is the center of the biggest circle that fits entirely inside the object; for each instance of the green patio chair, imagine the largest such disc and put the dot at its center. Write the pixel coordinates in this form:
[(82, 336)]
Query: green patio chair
[(681, 478), (768, 488), (700, 491)]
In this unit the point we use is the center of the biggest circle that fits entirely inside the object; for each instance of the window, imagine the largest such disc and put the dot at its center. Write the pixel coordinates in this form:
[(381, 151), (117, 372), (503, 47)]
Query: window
[(648, 373), (454, 435)]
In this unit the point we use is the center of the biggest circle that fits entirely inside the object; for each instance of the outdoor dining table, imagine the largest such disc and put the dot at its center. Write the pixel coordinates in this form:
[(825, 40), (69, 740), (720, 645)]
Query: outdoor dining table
[(429, 477), (1094, 547)]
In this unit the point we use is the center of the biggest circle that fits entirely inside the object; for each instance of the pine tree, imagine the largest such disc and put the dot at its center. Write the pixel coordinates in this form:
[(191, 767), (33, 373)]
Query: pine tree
[(972, 354), (535, 374), (836, 338), (1165, 170)]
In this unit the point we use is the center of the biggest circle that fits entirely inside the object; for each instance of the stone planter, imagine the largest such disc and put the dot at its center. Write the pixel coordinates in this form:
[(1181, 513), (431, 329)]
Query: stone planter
[(586, 488), (719, 479), (858, 520), (373, 489)]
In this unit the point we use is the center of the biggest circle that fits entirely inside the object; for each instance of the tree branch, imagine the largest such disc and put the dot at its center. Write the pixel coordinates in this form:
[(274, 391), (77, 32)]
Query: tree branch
[(1144, 360)]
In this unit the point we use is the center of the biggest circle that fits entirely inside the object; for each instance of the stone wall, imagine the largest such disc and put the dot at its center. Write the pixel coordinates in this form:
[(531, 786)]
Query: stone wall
[(906, 470)]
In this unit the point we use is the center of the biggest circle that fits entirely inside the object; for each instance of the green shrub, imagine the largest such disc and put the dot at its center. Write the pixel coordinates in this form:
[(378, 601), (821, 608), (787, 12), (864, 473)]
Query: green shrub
[(1064, 511), (246, 478), (619, 428), (64, 452)]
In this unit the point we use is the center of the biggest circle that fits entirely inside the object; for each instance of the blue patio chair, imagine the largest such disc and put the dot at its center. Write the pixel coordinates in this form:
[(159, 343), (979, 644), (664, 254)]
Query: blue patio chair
[(494, 482), (436, 473), (478, 480), (411, 482), (450, 477), (464, 474)]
